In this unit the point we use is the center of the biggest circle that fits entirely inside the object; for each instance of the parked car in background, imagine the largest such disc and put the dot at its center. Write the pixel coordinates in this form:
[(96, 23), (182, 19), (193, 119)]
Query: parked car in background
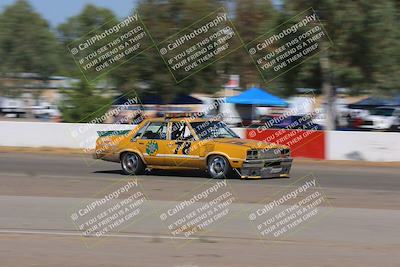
[(45, 111), (382, 118), (12, 107)]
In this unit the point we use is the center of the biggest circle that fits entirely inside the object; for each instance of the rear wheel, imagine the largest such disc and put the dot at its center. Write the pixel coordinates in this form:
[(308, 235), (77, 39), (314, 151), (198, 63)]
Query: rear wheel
[(218, 167), (132, 164)]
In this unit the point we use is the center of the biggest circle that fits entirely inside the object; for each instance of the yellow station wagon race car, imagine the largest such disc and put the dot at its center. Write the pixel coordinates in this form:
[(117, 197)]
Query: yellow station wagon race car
[(188, 143)]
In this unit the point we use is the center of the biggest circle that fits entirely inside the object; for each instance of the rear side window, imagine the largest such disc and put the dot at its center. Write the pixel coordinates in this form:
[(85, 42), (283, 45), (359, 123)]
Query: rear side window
[(156, 131), (140, 132)]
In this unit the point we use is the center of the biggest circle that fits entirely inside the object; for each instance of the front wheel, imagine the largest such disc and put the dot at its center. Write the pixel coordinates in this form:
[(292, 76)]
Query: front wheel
[(218, 167), (131, 163)]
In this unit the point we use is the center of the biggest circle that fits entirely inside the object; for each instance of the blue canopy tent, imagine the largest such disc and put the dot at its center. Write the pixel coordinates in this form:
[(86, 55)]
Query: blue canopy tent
[(251, 98), (258, 97)]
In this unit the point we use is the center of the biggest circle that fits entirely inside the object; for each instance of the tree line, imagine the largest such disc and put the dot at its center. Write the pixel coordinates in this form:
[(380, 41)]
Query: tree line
[(364, 58)]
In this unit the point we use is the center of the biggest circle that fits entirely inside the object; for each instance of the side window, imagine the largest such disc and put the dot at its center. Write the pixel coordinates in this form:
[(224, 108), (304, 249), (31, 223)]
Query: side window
[(156, 131), (140, 132), (180, 131)]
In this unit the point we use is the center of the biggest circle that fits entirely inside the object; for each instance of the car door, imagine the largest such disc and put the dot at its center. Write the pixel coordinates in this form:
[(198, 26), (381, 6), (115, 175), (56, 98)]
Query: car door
[(182, 149), (152, 143)]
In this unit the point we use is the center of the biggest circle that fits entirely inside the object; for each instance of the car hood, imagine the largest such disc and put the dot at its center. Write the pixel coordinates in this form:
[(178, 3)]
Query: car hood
[(249, 143)]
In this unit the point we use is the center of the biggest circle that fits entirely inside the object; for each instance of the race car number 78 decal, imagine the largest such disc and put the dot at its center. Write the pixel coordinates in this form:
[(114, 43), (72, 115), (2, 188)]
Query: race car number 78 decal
[(184, 145)]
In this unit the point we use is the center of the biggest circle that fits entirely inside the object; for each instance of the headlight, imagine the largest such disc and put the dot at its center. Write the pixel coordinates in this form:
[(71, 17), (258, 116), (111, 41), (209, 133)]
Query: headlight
[(252, 154)]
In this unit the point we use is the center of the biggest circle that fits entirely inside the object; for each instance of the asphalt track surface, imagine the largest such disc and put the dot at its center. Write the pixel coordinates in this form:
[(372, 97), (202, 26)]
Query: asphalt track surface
[(358, 226)]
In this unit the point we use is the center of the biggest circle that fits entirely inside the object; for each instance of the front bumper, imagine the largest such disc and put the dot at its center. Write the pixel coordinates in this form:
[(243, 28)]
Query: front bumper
[(266, 168)]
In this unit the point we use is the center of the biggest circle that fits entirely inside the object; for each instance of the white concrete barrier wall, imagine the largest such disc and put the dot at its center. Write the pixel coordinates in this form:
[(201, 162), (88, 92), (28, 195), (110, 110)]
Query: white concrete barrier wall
[(62, 135), (366, 146), (43, 134)]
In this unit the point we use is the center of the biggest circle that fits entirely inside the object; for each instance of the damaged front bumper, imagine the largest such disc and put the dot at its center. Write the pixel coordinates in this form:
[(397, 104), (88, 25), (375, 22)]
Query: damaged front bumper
[(266, 168)]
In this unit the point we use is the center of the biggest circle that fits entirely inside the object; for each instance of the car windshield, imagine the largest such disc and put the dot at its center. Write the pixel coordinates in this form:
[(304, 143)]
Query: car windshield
[(382, 112), (213, 129)]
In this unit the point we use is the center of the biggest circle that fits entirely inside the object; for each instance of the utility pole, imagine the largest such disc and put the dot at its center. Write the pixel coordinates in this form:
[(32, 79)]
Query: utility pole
[(327, 88)]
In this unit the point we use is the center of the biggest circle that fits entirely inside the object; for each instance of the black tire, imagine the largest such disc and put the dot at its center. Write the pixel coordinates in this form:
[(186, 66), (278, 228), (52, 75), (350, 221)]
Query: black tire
[(218, 167), (132, 164)]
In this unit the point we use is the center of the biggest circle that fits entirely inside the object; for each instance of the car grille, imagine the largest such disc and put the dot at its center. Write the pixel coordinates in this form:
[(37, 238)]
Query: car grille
[(268, 153)]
